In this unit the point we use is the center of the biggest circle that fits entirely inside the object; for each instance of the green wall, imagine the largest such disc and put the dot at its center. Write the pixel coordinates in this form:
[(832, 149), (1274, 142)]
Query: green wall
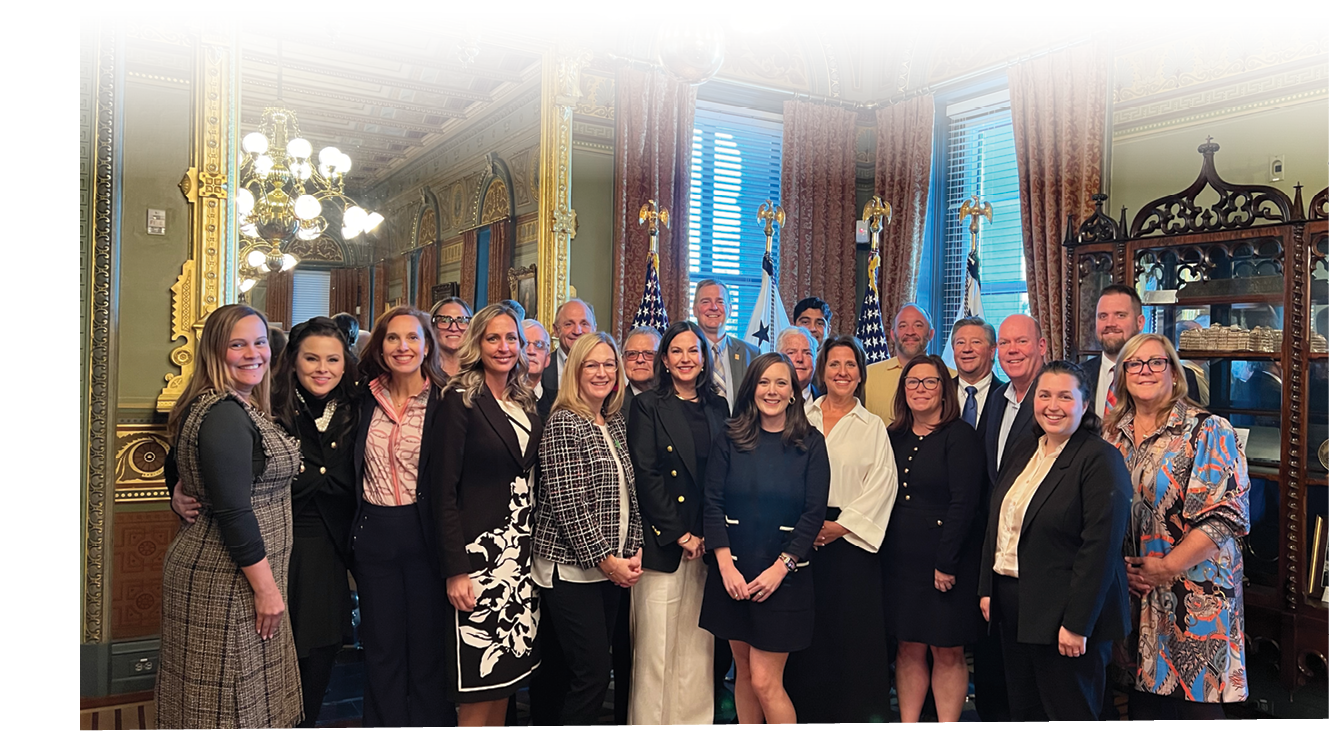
[(156, 155), (590, 265)]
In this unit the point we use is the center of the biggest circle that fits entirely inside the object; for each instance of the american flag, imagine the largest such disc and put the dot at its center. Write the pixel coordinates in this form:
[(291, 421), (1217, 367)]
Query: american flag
[(869, 330), (651, 311)]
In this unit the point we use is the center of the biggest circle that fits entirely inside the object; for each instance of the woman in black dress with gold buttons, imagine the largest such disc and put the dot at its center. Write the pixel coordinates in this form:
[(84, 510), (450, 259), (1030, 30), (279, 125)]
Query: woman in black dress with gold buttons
[(930, 555)]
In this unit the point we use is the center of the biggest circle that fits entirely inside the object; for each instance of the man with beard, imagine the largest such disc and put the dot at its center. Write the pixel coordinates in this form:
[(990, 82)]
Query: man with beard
[(910, 334), (1118, 318)]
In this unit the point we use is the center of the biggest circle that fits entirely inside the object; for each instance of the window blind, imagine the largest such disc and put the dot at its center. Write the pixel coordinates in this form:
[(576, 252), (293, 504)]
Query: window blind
[(735, 168), (310, 289)]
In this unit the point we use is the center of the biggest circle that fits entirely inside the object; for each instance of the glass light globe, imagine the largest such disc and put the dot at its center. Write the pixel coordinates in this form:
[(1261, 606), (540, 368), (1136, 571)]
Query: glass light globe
[(244, 202), (307, 207), (302, 170), (305, 233), (758, 23), (344, 166), (373, 221), (328, 155), (255, 143), (325, 170), (288, 262), (247, 285), (262, 165), (299, 147), (263, 268), (255, 258), (349, 233), (354, 217)]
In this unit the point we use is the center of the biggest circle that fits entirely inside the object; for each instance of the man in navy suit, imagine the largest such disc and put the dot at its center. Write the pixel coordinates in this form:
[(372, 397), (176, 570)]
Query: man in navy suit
[(1118, 317), (1022, 349)]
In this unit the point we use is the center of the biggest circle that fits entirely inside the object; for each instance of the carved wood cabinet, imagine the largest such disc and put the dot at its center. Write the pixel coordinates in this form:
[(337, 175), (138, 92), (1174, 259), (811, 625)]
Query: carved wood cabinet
[(1236, 276)]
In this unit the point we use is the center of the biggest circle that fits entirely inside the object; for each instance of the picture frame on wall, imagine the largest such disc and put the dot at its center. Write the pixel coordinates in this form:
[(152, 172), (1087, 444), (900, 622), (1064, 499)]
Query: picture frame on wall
[(1317, 582), (521, 282)]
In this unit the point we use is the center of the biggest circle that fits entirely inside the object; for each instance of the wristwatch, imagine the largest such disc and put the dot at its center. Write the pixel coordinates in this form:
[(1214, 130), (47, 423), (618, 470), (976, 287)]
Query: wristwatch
[(790, 564)]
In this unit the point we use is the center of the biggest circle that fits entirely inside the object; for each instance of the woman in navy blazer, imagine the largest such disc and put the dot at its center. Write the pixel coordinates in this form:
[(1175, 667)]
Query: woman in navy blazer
[(393, 547), (1052, 576)]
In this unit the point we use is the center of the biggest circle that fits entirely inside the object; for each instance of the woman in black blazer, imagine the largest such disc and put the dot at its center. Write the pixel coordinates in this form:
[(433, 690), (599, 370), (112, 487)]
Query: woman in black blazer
[(487, 450), (1052, 576), (393, 550), (670, 431), (587, 525)]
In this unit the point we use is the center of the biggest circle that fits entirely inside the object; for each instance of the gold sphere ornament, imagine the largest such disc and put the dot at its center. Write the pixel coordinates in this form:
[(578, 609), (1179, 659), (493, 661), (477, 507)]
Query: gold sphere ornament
[(690, 47)]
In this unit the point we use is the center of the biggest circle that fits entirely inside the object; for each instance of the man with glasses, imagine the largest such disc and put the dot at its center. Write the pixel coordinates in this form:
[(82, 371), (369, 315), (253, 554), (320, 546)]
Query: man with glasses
[(639, 361), (451, 317), (537, 359)]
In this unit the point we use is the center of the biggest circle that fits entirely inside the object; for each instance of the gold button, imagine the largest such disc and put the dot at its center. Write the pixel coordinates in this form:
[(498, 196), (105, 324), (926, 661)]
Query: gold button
[(680, 498), (911, 458), (657, 530), (322, 470), (905, 485), (906, 497), (302, 468), (334, 445), (939, 522), (669, 448), (673, 473), (906, 470)]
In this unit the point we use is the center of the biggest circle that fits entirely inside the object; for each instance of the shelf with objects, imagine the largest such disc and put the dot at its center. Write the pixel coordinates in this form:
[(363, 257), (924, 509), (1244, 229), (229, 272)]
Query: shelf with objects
[(1237, 276)]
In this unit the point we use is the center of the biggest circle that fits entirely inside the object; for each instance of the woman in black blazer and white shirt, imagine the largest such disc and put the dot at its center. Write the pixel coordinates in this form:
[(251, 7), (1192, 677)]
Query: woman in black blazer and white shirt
[(670, 431), (487, 450), (587, 525), (1052, 576)]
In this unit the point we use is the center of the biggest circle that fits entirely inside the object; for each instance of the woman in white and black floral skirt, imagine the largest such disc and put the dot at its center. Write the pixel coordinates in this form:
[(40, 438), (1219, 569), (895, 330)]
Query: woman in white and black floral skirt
[(488, 446)]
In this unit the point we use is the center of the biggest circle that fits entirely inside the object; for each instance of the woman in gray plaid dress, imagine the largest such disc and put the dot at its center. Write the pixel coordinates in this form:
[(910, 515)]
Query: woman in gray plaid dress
[(228, 657)]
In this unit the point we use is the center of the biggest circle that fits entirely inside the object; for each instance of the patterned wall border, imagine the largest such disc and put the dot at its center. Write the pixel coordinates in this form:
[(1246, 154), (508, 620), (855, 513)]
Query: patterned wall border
[(1262, 89), (140, 458), (1123, 133)]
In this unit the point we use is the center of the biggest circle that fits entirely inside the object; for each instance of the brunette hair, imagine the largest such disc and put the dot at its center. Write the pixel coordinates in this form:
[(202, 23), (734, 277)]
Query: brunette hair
[(664, 383), (470, 376), (569, 387), (950, 403), (371, 361), (449, 301), (745, 427), (285, 381), (1090, 421), (861, 356), (210, 372)]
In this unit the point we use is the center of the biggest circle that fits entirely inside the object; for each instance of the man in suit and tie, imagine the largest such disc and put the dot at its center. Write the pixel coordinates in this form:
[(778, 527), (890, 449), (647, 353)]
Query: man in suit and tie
[(731, 355), (911, 331), (1118, 317), (1022, 349), (639, 354), (799, 345)]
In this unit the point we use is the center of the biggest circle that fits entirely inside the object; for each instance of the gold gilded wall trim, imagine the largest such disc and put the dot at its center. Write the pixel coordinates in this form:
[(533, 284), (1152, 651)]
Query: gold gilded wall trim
[(100, 349), (198, 290), (560, 90), (140, 461)]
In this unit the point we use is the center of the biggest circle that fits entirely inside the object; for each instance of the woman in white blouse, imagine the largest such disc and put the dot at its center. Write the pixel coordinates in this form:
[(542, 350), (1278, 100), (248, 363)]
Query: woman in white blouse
[(843, 677)]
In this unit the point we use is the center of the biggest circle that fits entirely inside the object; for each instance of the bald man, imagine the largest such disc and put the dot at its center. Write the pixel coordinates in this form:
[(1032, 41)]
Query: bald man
[(910, 333), (1021, 349)]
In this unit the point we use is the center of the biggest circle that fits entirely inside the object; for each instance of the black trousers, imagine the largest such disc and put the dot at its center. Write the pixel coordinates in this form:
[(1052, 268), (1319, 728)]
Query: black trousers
[(622, 649), (584, 616), (990, 697), (1041, 683), (402, 600), (1152, 707), (315, 672), (549, 685)]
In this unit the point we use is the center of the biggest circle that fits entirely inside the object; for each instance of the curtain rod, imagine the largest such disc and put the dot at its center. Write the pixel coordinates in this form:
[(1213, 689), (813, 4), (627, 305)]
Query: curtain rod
[(1107, 29)]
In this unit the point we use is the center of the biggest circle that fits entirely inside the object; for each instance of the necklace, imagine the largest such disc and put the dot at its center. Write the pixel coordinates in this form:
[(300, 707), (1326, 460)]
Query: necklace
[(330, 408)]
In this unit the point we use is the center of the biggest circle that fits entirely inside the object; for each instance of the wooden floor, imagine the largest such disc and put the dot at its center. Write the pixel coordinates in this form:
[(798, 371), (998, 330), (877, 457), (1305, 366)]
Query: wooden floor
[(134, 710)]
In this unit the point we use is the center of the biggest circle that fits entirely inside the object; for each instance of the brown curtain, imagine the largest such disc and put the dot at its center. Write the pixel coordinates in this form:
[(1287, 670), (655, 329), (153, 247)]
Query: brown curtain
[(278, 303), (362, 298), (652, 161), (500, 259), (1058, 104), (468, 244), (344, 291), (380, 290), (426, 276), (817, 193), (904, 167)]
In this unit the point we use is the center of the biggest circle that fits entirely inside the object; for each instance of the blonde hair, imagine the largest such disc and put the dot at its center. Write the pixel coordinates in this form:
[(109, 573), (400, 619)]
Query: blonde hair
[(470, 376), (569, 386), (1126, 404), (210, 371)]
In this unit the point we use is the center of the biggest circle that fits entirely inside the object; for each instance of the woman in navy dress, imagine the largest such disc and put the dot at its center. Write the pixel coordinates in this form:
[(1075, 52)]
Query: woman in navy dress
[(931, 551), (767, 482)]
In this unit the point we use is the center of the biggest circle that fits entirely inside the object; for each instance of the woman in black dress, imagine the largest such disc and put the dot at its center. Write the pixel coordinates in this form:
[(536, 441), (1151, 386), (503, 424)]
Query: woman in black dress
[(767, 481), (931, 550), (487, 448)]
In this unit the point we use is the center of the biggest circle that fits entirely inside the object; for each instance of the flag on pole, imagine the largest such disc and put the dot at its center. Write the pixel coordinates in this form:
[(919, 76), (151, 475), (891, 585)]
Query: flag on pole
[(971, 305), (768, 316), (869, 329), (651, 311)]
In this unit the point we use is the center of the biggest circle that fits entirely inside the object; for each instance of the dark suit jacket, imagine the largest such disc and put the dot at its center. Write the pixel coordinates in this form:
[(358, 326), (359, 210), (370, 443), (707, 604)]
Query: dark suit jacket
[(669, 483), (424, 472), (549, 384), (1020, 428), (992, 409), (738, 355), (1094, 364), (479, 458), (1072, 573)]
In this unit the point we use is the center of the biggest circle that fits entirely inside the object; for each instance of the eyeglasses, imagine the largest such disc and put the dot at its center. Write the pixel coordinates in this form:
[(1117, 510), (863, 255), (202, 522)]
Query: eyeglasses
[(538, 344), (1156, 365), (443, 322), (639, 355), (928, 384)]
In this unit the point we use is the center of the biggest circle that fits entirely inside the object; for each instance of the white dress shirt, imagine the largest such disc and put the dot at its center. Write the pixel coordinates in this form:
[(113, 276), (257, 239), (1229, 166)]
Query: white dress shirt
[(980, 396), (560, 358), (1008, 417), (539, 389), (807, 393), (1006, 560), (863, 478), (1105, 376)]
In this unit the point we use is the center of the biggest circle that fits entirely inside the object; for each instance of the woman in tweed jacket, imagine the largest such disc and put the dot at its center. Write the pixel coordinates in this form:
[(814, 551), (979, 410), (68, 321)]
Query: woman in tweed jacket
[(587, 526)]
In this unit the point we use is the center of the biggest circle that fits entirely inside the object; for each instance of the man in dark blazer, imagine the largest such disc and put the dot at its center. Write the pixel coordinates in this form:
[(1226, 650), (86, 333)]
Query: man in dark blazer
[(732, 355), (537, 362), (1021, 348), (573, 319), (640, 351), (1118, 317)]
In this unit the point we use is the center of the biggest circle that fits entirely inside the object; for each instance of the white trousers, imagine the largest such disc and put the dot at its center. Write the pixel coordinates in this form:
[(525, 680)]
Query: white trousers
[(672, 657)]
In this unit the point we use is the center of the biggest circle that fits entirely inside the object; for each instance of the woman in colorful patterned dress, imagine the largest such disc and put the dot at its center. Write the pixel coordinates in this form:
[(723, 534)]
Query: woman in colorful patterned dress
[(1182, 558)]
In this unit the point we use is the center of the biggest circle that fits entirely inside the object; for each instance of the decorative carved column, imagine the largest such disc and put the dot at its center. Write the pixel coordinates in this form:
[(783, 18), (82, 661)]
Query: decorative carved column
[(202, 284), (560, 90)]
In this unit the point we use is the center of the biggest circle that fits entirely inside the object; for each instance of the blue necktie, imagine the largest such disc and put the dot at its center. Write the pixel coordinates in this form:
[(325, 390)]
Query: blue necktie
[(970, 414)]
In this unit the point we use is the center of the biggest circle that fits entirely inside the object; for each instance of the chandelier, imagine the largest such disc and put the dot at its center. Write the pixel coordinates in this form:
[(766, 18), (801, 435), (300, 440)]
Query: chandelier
[(286, 194)]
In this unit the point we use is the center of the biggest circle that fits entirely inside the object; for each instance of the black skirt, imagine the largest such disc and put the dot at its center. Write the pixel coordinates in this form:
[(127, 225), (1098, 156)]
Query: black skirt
[(782, 623), (318, 591), (915, 610), (844, 676)]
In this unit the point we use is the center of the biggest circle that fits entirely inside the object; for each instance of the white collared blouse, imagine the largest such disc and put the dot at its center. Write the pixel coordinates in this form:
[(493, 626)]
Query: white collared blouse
[(863, 477)]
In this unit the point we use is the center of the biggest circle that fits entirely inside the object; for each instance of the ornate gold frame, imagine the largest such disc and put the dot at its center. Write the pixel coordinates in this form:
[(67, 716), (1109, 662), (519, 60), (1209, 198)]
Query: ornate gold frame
[(560, 88)]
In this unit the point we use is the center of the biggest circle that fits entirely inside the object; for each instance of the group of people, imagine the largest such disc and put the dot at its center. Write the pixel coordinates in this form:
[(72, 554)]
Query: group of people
[(515, 514)]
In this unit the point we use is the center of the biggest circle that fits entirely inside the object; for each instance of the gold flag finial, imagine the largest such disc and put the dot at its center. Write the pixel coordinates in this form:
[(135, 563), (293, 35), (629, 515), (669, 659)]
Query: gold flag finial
[(974, 209), (877, 213), (658, 216), (773, 215)]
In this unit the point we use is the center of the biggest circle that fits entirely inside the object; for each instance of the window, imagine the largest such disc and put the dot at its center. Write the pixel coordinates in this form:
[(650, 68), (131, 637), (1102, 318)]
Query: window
[(735, 168), (309, 295), (977, 155)]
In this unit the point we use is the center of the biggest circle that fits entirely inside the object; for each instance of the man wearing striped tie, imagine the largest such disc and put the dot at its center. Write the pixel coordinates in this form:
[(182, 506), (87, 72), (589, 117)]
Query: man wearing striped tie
[(731, 355)]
